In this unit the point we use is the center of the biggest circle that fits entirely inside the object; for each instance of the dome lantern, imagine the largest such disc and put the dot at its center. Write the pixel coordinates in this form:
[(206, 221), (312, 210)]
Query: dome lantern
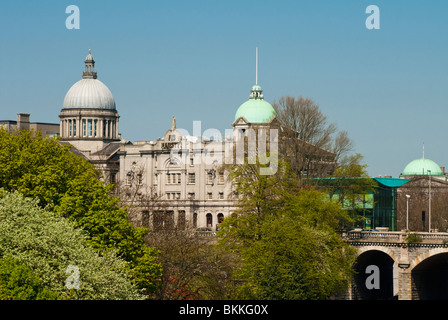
[(89, 72)]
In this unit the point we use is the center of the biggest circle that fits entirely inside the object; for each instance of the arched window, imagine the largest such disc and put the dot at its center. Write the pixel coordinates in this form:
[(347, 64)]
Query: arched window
[(181, 220), (220, 217), (195, 220), (209, 219)]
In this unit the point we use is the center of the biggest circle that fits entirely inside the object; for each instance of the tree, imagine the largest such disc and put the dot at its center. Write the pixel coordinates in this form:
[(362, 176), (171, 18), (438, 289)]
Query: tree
[(193, 268), (19, 282), (41, 246), (311, 144), (285, 238), (68, 185)]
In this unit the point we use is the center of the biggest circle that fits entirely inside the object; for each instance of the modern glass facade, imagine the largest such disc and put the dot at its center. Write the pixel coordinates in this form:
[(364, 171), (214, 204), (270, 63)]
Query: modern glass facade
[(378, 207)]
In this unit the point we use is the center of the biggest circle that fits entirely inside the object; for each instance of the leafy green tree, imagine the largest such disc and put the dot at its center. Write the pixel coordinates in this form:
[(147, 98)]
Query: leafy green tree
[(19, 282), (48, 244), (67, 184), (285, 237)]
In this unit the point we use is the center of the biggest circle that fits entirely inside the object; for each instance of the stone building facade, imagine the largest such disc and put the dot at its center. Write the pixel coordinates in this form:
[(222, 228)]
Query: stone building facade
[(422, 201), (177, 180), (23, 123)]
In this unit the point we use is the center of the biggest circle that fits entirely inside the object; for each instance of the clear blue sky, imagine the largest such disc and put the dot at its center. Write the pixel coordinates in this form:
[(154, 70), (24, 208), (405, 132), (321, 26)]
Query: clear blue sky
[(195, 59)]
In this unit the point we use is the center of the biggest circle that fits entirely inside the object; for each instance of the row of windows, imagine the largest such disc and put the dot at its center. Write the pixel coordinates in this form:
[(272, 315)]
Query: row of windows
[(165, 220), (90, 128), (174, 178), (192, 195)]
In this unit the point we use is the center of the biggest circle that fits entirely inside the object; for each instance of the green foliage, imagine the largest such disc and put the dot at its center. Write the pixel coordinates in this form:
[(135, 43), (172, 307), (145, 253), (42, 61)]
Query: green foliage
[(413, 238), (19, 282), (48, 243), (45, 169), (286, 240)]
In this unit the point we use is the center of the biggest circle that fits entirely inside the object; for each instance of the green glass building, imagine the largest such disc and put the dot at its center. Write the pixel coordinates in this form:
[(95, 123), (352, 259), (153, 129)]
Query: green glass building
[(378, 206)]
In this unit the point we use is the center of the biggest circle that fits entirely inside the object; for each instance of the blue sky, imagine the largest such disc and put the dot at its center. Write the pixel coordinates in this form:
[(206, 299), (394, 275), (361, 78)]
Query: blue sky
[(195, 59)]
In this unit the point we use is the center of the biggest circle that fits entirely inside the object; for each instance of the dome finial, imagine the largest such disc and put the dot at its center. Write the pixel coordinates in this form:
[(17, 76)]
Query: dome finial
[(256, 65), (256, 91)]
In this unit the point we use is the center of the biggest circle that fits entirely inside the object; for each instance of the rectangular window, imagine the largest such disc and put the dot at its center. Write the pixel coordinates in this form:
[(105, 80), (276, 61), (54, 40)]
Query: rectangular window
[(191, 161), (95, 124), (192, 178), (74, 128), (178, 195), (178, 178), (210, 178), (191, 195), (168, 196), (69, 128), (221, 195), (84, 129), (89, 127), (168, 178), (209, 196), (221, 178), (139, 179)]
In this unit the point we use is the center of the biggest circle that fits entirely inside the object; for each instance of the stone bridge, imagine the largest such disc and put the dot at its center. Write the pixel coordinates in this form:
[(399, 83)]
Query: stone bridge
[(412, 266)]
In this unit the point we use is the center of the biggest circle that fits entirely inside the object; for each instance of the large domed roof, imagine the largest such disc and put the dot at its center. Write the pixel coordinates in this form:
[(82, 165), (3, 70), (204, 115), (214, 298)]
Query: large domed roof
[(89, 93), (422, 166), (256, 110)]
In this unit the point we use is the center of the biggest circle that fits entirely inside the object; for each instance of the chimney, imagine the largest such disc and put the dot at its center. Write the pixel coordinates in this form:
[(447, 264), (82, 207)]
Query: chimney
[(443, 169), (23, 121)]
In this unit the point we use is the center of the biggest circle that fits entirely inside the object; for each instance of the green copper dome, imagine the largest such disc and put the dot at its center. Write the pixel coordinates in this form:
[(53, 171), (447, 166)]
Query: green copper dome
[(256, 110), (422, 166)]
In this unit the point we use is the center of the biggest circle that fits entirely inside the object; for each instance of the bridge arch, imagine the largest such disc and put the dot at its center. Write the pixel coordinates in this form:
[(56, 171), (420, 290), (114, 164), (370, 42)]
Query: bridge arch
[(385, 250), (386, 278), (429, 275)]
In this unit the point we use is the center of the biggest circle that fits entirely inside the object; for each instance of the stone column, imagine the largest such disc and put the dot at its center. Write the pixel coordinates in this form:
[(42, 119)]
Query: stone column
[(404, 284), (404, 275), (116, 128)]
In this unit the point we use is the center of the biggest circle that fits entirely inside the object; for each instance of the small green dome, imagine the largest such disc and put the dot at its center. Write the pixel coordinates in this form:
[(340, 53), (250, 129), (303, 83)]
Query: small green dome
[(256, 110), (422, 166)]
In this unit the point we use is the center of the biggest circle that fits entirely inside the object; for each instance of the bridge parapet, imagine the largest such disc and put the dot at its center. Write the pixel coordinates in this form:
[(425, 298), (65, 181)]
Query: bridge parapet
[(397, 237)]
